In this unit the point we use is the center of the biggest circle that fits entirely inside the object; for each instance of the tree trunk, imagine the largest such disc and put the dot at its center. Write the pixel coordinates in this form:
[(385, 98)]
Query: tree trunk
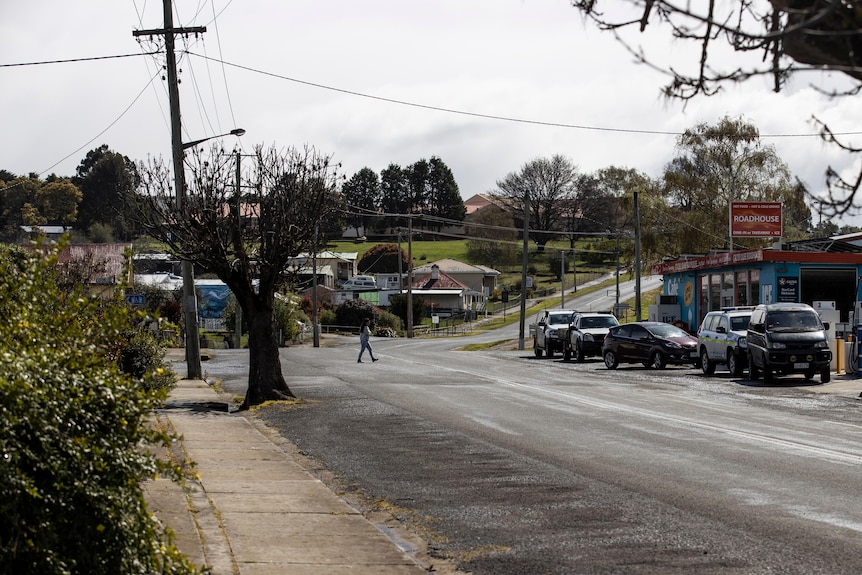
[(265, 380)]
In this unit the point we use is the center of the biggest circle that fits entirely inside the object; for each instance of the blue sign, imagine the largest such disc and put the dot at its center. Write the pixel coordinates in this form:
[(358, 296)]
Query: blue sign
[(135, 299)]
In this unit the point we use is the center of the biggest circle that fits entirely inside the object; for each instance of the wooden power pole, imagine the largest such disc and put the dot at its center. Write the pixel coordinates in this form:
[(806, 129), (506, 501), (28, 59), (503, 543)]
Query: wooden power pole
[(193, 352)]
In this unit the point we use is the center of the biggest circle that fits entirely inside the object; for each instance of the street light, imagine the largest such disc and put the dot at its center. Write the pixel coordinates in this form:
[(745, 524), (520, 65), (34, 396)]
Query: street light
[(190, 303), (234, 132)]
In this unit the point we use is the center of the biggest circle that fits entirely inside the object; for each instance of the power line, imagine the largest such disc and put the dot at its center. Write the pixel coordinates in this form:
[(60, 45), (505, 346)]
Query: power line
[(73, 60), (109, 126), (415, 104), (479, 114)]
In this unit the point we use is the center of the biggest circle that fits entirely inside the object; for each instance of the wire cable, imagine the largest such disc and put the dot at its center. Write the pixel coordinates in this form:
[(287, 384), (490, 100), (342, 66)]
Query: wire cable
[(109, 126), (479, 114)]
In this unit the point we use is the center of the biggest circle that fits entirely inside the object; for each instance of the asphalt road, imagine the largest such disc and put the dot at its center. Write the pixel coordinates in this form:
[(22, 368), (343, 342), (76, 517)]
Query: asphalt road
[(509, 464)]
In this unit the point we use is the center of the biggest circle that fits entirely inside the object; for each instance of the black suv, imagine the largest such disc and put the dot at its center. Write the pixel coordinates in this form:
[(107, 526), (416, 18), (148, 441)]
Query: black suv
[(787, 338)]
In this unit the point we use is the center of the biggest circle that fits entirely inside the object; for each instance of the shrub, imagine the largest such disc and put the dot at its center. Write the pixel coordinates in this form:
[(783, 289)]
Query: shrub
[(398, 306), (143, 358), (73, 430), (388, 324), (327, 317), (353, 311)]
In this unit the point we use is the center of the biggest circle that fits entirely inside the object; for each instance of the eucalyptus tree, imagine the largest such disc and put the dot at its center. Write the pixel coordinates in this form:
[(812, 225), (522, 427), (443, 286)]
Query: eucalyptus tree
[(717, 164)]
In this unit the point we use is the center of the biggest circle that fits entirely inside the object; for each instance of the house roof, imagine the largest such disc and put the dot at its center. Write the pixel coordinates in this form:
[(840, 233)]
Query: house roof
[(328, 255), (450, 265), (113, 256), (443, 281)]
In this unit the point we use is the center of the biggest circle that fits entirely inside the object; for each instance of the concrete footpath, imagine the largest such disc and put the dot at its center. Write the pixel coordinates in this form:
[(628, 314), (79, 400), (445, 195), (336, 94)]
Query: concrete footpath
[(250, 507)]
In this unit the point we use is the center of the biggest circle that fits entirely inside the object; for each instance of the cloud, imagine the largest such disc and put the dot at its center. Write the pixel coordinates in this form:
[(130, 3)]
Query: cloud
[(530, 60)]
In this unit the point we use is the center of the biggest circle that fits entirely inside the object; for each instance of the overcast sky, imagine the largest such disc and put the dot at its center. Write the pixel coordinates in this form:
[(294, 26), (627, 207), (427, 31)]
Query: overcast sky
[(327, 73)]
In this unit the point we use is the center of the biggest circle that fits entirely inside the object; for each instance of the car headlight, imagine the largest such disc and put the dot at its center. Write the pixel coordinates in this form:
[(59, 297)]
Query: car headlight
[(777, 345), (821, 345), (741, 342), (552, 333), (589, 337), (673, 345)]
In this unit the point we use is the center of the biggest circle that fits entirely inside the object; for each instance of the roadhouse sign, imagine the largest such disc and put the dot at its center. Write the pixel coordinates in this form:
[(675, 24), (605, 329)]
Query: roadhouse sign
[(755, 219)]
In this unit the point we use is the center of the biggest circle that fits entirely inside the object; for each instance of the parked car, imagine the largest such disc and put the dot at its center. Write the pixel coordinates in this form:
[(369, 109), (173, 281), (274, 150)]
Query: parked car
[(785, 338), (587, 334), (651, 343), (359, 283), (549, 331), (721, 339)]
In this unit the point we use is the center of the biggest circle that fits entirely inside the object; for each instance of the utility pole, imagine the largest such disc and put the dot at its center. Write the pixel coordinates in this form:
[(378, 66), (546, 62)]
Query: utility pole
[(637, 259), (238, 314), (314, 318), (409, 276), (193, 350), (524, 260)]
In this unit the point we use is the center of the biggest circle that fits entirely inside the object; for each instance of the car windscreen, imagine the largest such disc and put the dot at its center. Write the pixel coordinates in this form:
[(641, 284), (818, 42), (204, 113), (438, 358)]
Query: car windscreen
[(558, 318), (793, 321), (666, 330), (596, 322), (739, 322)]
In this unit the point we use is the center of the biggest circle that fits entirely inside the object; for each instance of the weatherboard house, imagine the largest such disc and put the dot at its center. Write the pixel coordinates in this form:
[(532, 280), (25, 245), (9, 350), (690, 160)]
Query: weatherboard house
[(442, 293)]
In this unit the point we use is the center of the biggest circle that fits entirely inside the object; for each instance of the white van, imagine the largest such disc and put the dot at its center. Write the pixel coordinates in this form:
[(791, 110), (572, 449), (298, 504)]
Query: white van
[(360, 283)]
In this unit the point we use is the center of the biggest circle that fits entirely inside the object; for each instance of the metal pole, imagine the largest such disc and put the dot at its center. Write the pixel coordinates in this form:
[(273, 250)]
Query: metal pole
[(190, 307), (637, 260), (526, 235), (409, 276), (314, 320), (574, 273), (562, 279), (238, 314), (400, 264), (617, 250)]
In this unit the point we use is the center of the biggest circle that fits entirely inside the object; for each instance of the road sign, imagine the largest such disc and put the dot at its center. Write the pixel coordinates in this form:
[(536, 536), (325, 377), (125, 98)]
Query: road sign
[(135, 298)]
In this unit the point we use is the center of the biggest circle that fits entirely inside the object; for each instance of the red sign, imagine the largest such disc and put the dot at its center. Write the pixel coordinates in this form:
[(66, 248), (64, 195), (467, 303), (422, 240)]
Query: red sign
[(755, 219)]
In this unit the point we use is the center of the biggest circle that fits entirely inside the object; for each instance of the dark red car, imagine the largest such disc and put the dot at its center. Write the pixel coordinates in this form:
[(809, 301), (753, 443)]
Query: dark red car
[(650, 343)]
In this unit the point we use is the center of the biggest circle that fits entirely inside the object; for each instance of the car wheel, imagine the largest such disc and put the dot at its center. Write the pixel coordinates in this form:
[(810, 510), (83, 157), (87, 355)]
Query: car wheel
[(810, 374), (611, 361), (658, 360), (734, 366), (567, 355), (707, 366), (579, 352), (537, 350), (753, 370), (549, 352), (825, 375)]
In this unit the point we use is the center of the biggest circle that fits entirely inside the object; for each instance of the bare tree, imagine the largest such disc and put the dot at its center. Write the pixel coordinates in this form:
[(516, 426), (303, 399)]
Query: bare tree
[(549, 183), (786, 36), (245, 235)]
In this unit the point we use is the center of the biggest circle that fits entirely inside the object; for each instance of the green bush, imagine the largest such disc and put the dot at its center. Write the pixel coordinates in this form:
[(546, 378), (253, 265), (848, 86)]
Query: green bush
[(327, 317), (388, 324), (353, 311), (143, 358), (73, 427)]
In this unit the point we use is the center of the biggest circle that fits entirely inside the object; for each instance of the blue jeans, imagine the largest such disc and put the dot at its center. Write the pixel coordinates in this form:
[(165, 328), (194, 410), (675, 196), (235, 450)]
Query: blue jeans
[(363, 346)]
